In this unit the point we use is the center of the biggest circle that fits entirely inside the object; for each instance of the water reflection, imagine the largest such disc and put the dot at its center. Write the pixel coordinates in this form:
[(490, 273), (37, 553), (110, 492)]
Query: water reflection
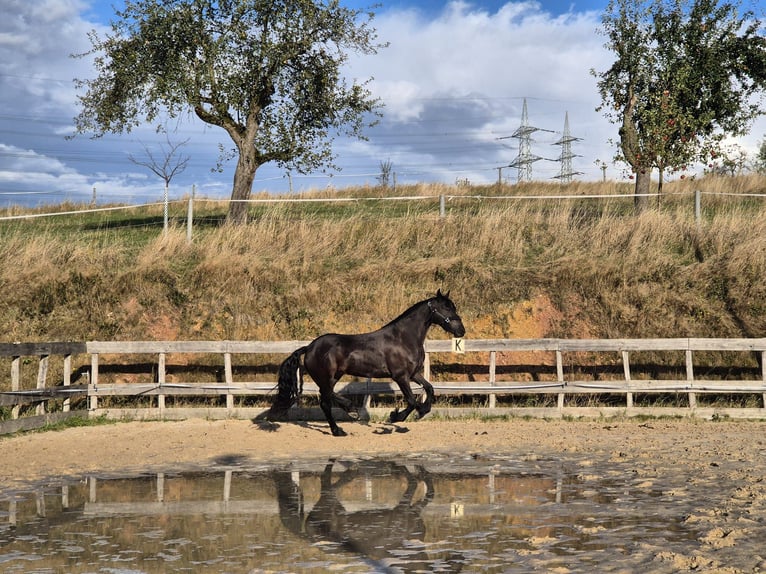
[(413, 515), (377, 535)]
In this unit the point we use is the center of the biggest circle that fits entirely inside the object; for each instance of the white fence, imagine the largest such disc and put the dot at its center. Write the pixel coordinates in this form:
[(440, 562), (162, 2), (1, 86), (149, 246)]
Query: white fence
[(575, 374)]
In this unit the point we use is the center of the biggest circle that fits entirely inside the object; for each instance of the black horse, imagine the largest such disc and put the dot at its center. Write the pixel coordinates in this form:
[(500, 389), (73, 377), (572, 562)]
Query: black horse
[(395, 351)]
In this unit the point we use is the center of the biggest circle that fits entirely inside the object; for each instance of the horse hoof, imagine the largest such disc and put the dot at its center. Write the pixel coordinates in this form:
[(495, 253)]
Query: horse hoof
[(394, 416), (338, 432)]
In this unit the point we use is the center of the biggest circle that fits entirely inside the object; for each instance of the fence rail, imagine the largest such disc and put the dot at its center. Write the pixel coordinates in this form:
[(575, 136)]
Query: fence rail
[(487, 368), (441, 200)]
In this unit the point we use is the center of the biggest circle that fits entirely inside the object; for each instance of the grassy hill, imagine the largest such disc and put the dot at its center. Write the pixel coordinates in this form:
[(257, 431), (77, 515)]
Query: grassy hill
[(515, 267)]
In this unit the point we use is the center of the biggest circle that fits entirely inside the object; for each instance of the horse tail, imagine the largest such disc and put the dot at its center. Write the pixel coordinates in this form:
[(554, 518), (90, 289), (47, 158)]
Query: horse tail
[(288, 387)]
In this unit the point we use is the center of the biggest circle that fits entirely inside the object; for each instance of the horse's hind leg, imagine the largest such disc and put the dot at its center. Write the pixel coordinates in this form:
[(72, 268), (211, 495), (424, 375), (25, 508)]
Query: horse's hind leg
[(398, 416), (326, 401)]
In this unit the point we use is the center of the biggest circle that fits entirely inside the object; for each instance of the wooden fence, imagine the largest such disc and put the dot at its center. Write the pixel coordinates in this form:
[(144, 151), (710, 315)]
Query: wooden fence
[(582, 378)]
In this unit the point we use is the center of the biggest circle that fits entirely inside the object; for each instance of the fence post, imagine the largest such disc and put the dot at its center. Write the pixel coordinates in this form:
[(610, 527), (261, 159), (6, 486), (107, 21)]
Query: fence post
[(697, 207), (93, 390), (165, 210), (560, 376), (67, 380), (763, 374), (161, 383), (492, 370), (626, 369), (15, 383), (690, 378), (190, 216), (42, 375), (442, 208), (229, 378)]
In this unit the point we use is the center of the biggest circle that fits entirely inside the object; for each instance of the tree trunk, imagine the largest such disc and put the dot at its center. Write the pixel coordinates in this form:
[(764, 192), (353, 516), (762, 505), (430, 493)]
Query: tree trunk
[(643, 179), (243, 185), (659, 186)]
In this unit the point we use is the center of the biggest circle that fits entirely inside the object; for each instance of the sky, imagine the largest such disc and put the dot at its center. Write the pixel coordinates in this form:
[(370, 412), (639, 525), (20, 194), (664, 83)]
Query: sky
[(453, 80)]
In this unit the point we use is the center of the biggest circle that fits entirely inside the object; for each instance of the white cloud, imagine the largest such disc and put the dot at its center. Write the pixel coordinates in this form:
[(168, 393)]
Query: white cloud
[(453, 85), (463, 75)]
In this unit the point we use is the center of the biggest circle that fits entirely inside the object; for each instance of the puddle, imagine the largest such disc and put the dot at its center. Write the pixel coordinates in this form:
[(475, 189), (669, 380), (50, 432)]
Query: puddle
[(433, 514)]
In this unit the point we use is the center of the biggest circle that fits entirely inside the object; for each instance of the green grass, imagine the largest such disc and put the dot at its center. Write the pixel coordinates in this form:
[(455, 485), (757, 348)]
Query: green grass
[(71, 422)]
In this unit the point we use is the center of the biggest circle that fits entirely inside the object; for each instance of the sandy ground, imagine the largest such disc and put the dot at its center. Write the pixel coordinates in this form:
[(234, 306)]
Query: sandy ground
[(724, 458), (684, 445)]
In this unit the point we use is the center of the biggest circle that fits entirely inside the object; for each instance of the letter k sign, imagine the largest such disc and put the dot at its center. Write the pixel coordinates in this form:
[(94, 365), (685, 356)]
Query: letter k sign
[(458, 345)]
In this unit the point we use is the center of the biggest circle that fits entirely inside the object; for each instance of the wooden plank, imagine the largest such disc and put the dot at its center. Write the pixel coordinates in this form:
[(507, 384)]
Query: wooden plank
[(486, 345), (200, 347), (727, 344), (443, 387), (431, 345), (37, 395), (33, 349), (39, 421)]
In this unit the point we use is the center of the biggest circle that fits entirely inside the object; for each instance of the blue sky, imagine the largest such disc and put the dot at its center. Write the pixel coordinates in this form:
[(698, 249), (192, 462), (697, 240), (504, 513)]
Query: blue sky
[(453, 80)]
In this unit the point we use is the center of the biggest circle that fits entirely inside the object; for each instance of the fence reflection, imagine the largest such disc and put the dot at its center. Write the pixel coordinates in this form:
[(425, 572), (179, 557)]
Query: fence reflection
[(412, 515)]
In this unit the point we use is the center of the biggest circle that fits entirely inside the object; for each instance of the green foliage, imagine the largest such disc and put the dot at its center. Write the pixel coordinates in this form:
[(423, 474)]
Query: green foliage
[(685, 76), (759, 165), (267, 72)]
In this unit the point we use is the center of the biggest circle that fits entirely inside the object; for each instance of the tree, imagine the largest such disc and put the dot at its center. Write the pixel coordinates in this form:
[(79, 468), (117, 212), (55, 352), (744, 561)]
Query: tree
[(166, 167), (685, 76), (269, 72), (386, 171), (759, 165)]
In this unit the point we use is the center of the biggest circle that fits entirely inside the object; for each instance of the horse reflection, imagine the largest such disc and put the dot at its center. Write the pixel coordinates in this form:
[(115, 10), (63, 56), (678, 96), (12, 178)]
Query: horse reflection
[(381, 537)]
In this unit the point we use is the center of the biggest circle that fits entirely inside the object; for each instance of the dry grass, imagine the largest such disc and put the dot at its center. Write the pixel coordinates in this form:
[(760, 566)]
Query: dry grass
[(298, 271)]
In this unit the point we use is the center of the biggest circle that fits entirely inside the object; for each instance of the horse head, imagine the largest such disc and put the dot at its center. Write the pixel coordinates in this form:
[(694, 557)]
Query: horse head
[(444, 314)]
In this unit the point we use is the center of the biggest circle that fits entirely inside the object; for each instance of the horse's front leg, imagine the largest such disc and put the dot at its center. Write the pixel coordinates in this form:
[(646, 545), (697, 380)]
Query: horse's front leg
[(398, 416), (425, 407)]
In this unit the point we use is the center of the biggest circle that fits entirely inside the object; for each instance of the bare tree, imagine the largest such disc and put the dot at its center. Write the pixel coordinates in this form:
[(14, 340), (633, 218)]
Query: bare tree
[(166, 165), (386, 170)]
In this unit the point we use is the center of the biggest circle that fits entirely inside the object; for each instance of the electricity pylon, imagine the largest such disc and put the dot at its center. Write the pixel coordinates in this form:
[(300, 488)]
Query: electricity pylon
[(565, 174)]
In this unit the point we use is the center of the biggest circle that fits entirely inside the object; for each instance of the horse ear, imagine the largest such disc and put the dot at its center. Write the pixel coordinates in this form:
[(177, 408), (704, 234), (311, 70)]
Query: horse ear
[(439, 293)]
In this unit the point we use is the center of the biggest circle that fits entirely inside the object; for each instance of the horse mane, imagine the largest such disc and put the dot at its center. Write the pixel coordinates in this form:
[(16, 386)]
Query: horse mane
[(409, 311)]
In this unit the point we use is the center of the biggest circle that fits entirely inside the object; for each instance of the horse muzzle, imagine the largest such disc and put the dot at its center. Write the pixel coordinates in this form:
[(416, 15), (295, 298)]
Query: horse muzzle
[(456, 328)]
